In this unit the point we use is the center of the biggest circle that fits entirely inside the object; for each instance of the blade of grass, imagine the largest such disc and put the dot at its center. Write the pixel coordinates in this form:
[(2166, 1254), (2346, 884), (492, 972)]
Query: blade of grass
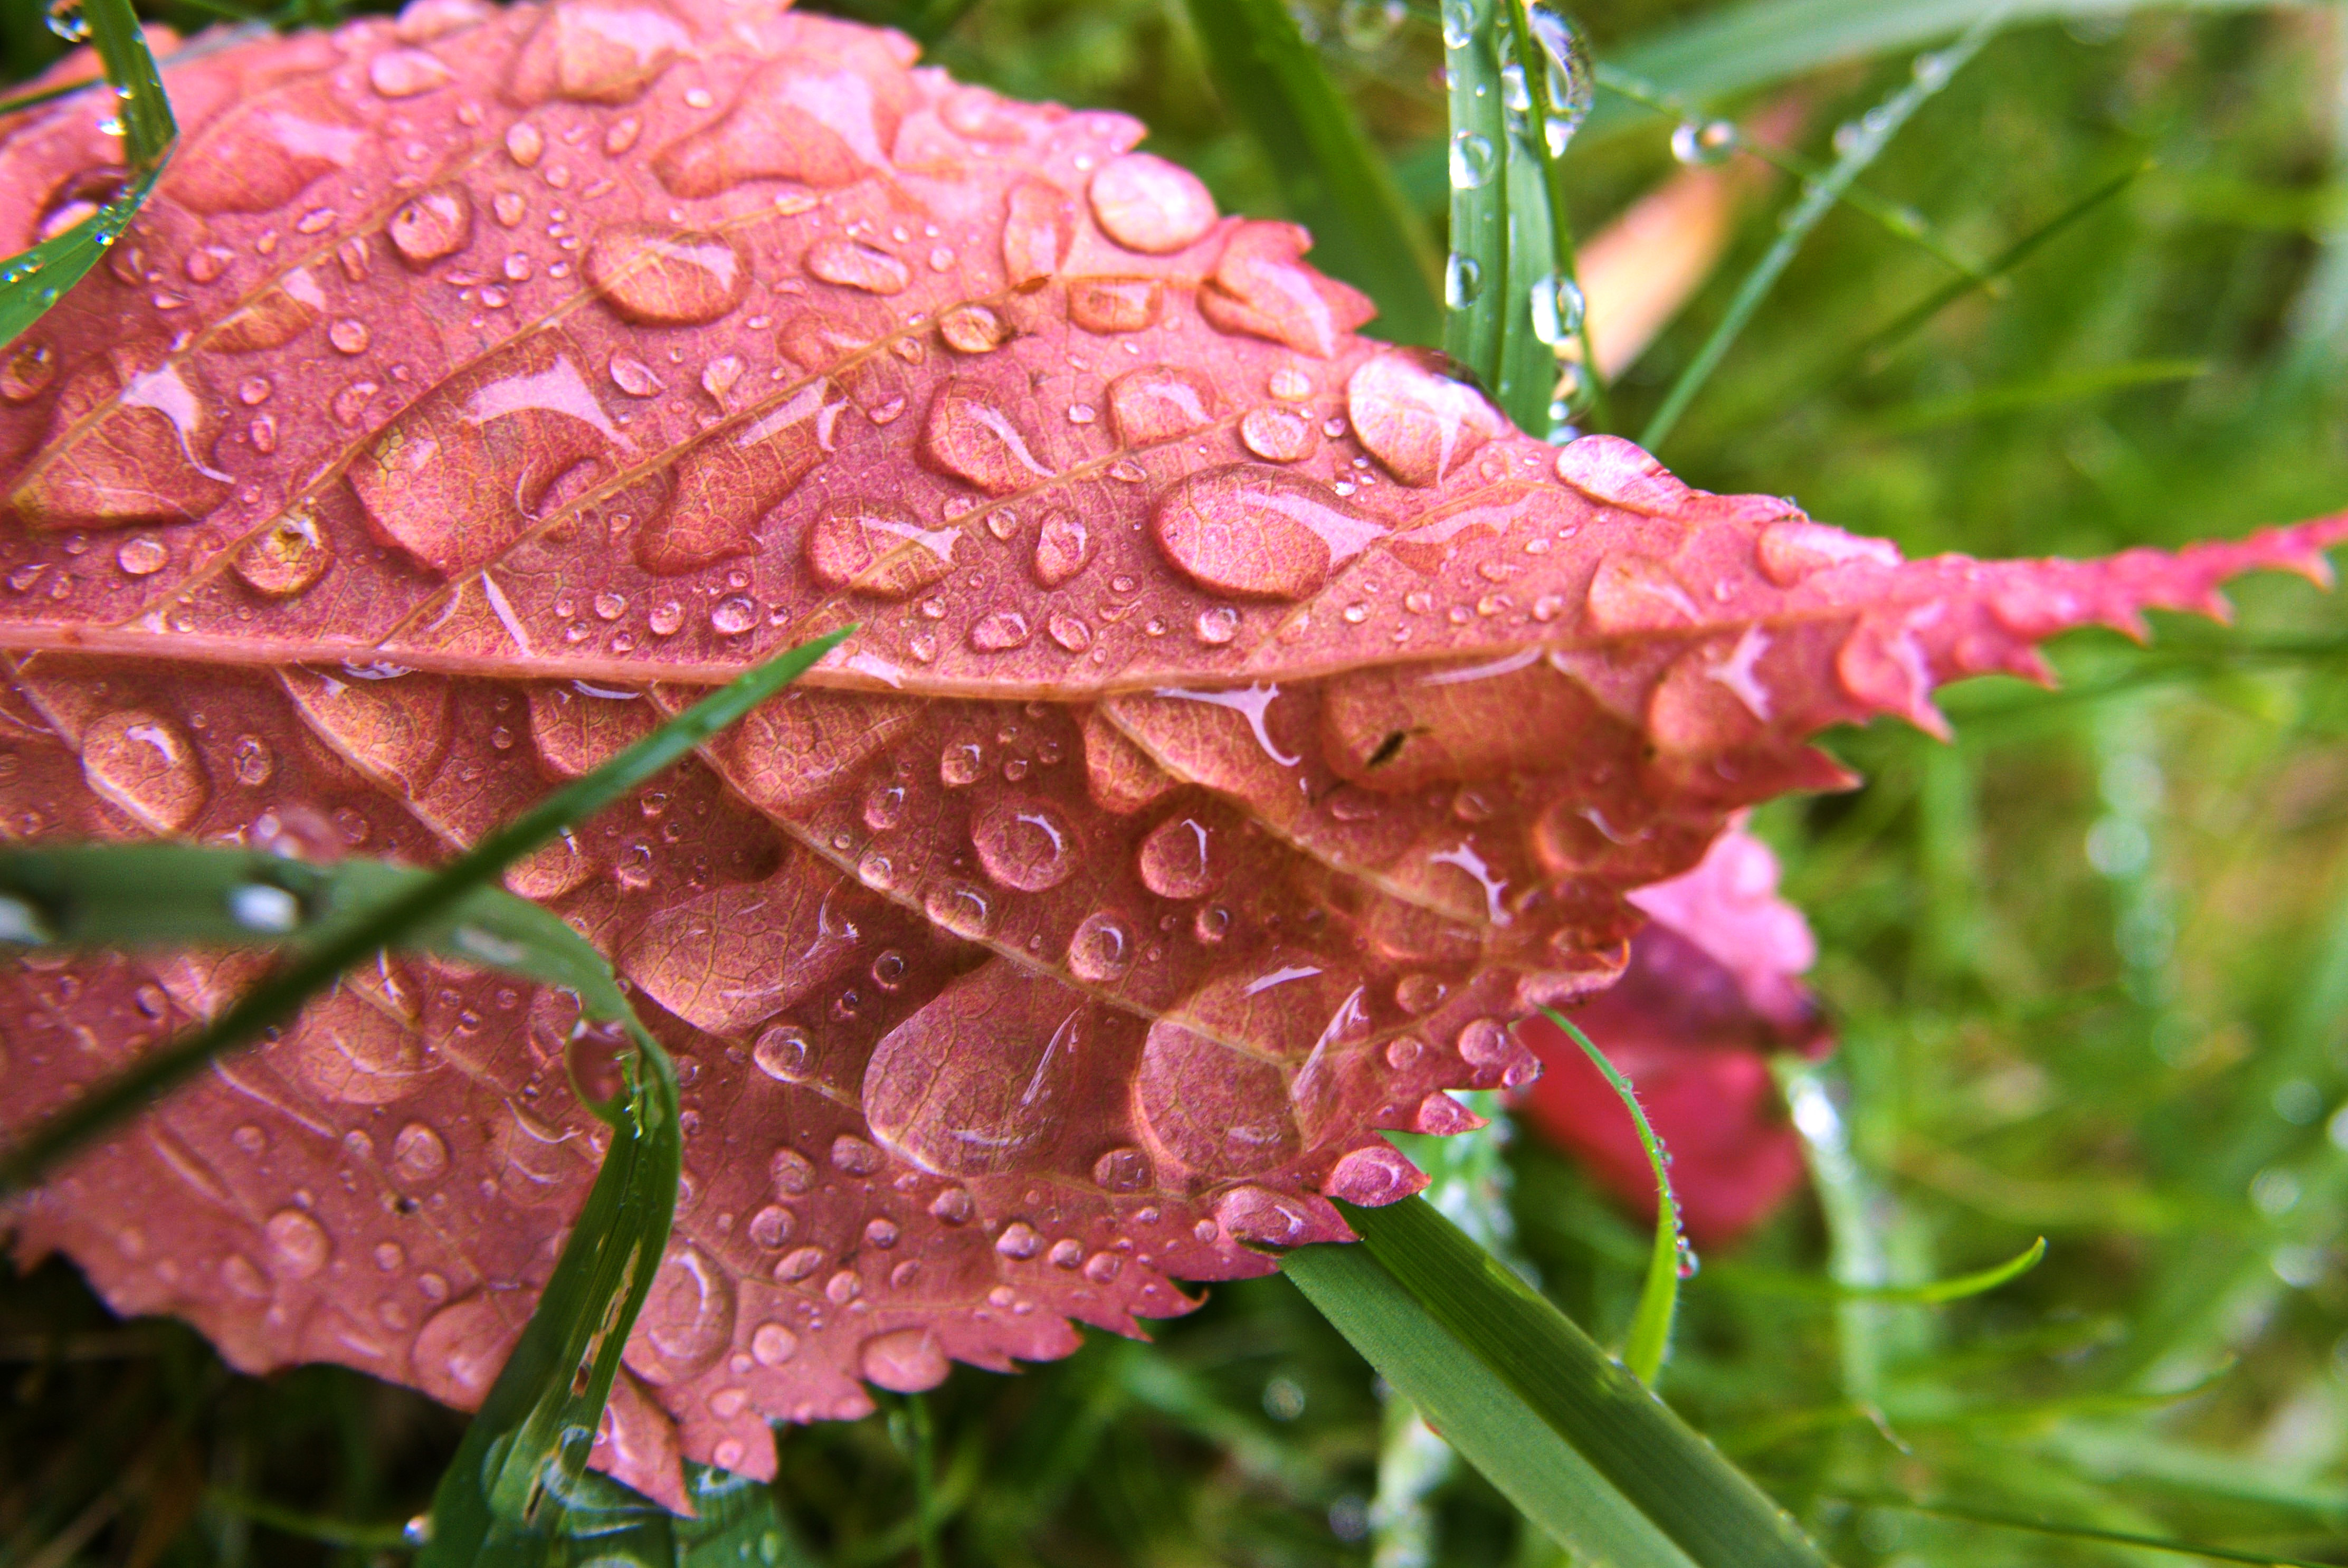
[(1650, 1325), (1768, 41), (1503, 1373), (2074, 387), (1501, 244), (1885, 337), (42, 906), (308, 1527), (1559, 84), (34, 280), (1333, 180), (1998, 1521), (1873, 132)]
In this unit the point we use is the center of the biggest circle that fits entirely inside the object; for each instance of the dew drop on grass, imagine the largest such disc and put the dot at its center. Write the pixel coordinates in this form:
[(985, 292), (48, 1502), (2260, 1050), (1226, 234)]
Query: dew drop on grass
[(1368, 26), (1701, 144), (1463, 279), (1473, 161), (257, 906)]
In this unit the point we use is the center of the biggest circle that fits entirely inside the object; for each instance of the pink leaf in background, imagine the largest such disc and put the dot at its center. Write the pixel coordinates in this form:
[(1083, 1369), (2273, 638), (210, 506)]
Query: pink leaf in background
[(1246, 727)]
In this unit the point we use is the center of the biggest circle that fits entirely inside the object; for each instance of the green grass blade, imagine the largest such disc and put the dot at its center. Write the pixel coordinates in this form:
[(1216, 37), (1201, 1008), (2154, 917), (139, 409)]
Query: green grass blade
[(2071, 386), (34, 280), (1889, 334), (1475, 274), (1998, 1521), (1659, 1296), (507, 1493), (1656, 1491), (37, 908), (1559, 83), (1767, 41), (1333, 180), (1478, 1411), (1873, 133)]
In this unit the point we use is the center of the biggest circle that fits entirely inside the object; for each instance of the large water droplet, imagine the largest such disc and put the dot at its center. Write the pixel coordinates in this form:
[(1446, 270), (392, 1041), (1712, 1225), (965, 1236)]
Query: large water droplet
[(1460, 18), (687, 1322), (959, 908), (605, 54), (1278, 435), (1063, 546), (876, 548), (1369, 25), (1463, 279), (771, 1344), (1256, 532), (1703, 143), (1473, 161), (143, 764), (973, 329), (1116, 305), (971, 437), (667, 278), (1184, 857), (783, 1052), (1145, 204), (419, 1155), (1420, 423), (1102, 949), (851, 263), (1158, 403), (298, 1245), (1558, 307), (459, 1351), (1377, 1173), (1122, 1170), (285, 558), (1025, 844), (1001, 631), (1571, 81), (406, 73)]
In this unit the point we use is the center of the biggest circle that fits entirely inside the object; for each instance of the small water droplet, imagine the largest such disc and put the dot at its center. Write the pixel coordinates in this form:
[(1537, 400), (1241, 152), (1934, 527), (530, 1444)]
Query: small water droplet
[(1472, 162), (1463, 279), (1701, 144)]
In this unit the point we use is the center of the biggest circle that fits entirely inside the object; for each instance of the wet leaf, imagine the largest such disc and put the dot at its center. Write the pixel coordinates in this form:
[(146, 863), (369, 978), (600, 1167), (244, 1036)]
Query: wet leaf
[(1246, 725)]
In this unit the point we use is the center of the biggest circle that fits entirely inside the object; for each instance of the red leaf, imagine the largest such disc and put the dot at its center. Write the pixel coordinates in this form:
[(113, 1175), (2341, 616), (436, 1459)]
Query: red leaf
[(1246, 721), (1710, 994)]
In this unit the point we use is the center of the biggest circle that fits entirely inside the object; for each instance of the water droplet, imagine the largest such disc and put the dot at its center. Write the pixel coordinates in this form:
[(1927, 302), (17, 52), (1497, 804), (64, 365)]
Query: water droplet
[(973, 329), (1256, 532), (1023, 845), (406, 73), (797, 1263), (783, 1052), (1472, 161), (1377, 1173), (772, 1225), (143, 556), (457, 1352), (509, 206), (1122, 1170), (1018, 1240), (1145, 204), (417, 1154), (1102, 950), (27, 371), (1369, 25), (970, 436), (1217, 624), (1571, 81), (1183, 858), (1116, 305), (853, 264), (298, 1245), (525, 143), (667, 278), (688, 1319), (959, 908), (1000, 632), (961, 764), (1072, 633), (1158, 403), (732, 617), (144, 764), (1558, 307), (666, 618), (436, 223), (876, 548), (772, 1344), (903, 1360), (1463, 279), (855, 1156), (955, 1206), (1277, 434), (1461, 19), (1421, 424), (1701, 144)]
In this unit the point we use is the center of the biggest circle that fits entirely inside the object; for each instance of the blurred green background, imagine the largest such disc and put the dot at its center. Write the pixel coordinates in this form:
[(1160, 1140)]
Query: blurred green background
[(2089, 963)]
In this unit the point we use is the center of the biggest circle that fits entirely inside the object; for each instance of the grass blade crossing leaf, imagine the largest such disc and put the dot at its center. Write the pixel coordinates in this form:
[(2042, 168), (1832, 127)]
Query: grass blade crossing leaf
[(1638, 1479), (1875, 131), (1501, 245), (1650, 1325), (1334, 181), (35, 279), (46, 907)]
